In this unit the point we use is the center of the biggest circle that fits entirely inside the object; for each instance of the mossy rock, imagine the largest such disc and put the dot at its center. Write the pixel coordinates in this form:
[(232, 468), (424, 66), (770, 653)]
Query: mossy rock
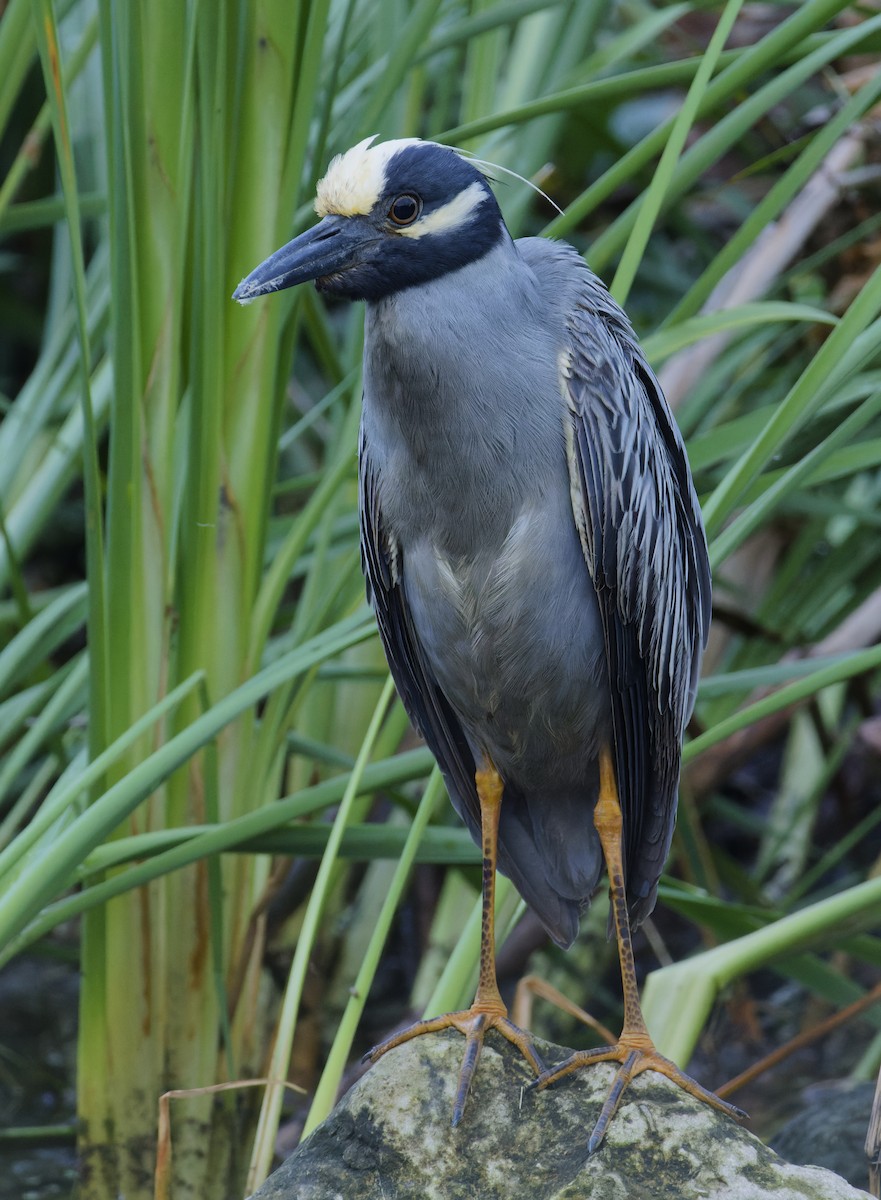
[(389, 1138)]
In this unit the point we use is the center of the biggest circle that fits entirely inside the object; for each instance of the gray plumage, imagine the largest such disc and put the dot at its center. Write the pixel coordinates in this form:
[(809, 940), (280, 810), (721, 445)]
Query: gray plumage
[(532, 608), (530, 534)]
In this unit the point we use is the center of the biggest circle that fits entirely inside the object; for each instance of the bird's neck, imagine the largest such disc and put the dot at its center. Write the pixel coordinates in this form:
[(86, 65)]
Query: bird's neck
[(452, 371)]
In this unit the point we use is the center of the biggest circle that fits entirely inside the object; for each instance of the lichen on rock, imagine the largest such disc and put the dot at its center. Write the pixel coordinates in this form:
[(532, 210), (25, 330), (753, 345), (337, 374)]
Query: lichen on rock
[(389, 1138)]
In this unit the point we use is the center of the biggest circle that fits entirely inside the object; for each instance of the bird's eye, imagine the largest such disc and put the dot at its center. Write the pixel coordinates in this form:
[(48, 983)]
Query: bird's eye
[(405, 209)]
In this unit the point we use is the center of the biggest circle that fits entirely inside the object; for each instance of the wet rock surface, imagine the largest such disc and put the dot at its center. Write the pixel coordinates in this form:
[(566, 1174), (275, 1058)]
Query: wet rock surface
[(390, 1138), (38, 1000), (830, 1130)]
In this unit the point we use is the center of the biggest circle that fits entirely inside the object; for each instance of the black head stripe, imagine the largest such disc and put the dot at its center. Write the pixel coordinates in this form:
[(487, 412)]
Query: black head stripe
[(404, 258), (435, 173)]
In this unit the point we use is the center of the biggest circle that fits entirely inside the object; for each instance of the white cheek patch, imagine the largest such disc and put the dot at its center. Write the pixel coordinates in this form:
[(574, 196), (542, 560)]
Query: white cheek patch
[(354, 181), (453, 215)]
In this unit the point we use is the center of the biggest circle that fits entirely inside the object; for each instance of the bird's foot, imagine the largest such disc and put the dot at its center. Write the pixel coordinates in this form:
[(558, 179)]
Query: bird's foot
[(636, 1053), (473, 1023)]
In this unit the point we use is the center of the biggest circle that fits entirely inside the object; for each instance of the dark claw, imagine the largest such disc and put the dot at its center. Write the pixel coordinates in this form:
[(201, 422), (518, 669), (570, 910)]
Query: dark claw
[(594, 1142), (473, 1046)]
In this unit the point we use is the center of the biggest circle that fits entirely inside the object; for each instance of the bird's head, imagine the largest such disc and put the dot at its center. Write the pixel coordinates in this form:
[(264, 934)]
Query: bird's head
[(392, 215)]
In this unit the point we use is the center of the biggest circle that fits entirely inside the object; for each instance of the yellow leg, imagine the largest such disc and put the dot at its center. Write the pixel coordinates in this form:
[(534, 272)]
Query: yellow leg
[(635, 1050), (489, 792), (488, 1010)]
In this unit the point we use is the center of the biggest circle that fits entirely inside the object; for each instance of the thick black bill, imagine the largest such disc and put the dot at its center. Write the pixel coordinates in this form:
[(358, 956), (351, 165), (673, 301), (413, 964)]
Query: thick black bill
[(331, 246)]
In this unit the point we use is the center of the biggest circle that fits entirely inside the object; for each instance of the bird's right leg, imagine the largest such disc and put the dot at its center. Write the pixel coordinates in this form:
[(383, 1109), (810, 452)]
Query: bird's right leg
[(488, 1010), (634, 1051)]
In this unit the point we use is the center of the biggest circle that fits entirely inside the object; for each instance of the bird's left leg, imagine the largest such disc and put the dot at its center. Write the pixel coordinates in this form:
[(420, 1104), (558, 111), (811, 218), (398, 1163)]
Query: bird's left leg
[(635, 1050), (488, 1010)]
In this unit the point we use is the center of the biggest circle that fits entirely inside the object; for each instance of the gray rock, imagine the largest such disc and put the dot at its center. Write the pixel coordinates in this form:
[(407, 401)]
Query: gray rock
[(830, 1130), (389, 1138)]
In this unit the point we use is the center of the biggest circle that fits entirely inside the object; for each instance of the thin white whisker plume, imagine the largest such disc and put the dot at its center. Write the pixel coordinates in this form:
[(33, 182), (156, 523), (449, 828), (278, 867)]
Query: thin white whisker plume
[(484, 164)]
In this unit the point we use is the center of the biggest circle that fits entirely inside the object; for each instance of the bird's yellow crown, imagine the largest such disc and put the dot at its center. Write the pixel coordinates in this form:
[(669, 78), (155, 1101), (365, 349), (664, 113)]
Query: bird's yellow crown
[(354, 181)]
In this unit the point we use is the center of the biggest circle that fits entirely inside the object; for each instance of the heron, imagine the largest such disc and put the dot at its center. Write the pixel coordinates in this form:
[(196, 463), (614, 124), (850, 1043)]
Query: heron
[(533, 551)]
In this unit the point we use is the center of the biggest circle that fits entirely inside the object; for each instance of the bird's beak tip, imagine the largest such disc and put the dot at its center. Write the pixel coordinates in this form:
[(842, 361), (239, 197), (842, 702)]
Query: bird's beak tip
[(246, 292), (325, 249)]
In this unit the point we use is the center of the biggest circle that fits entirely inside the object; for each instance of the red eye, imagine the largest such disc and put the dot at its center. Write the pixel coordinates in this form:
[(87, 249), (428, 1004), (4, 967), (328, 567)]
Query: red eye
[(405, 209)]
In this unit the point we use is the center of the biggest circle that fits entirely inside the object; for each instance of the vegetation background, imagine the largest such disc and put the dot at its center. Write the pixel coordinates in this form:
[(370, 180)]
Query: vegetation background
[(210, 803)]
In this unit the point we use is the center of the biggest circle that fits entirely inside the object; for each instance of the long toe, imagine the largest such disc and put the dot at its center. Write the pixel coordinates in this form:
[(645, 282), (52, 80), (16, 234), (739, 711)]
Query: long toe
[(634, 1059), (474, 1024)]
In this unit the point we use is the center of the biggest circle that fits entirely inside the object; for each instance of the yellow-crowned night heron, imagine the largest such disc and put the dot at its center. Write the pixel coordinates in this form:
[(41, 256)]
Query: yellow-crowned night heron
[(533, 550)]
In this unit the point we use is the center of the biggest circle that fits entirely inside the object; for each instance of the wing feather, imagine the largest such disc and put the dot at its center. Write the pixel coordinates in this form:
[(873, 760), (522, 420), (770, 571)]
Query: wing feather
[(644, 544), (426, 705)]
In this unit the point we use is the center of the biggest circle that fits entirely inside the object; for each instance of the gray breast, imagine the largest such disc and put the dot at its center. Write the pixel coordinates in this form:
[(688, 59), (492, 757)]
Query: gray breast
[(464, 415)]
